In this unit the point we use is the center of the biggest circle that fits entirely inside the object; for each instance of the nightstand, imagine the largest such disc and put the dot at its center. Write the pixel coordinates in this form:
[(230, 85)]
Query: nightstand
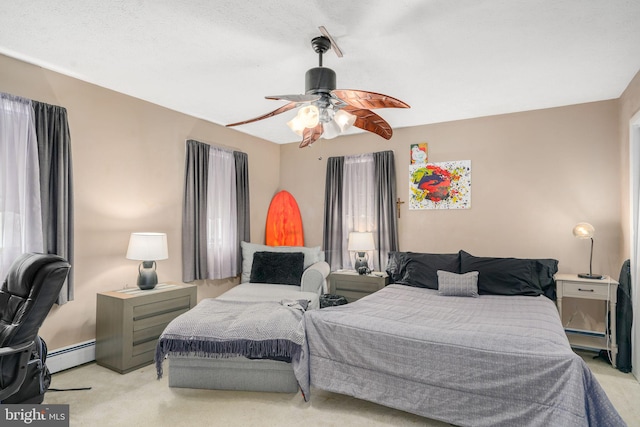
[(605, 289), (129, 322), (354, 286)]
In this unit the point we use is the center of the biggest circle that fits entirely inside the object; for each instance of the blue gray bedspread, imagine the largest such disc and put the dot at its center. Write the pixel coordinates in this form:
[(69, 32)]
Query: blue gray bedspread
[(218, 328), (486, 361)]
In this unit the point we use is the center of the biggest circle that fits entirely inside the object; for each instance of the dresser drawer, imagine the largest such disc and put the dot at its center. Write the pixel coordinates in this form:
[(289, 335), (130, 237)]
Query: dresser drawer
[(155, 308), (585, 290)]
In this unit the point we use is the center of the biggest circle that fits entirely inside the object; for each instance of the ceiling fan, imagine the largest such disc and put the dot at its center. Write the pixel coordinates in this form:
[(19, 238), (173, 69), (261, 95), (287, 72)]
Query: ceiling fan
[(327, 111)]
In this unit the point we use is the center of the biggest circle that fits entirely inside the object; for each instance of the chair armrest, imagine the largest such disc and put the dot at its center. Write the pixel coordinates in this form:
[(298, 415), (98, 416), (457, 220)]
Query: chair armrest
[(6, 351), (314, 278), (19, 369)]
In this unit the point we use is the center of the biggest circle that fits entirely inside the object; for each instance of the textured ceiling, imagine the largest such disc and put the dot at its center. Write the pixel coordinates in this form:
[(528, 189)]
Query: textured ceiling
[(217, 59)]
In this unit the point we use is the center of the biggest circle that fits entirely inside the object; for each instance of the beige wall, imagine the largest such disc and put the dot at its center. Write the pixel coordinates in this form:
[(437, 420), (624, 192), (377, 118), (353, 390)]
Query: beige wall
[(128, 165), (534, 176)]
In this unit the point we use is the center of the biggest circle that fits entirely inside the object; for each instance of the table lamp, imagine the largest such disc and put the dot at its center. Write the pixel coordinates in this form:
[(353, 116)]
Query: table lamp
[(584, 230), (361, 243), (148, 248)]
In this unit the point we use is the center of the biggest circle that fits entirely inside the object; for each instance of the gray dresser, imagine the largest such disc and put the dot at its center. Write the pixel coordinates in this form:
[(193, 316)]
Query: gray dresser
[(129, 322)]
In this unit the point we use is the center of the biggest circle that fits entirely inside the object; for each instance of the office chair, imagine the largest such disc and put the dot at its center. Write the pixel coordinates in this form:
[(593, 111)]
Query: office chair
[(26, 296)]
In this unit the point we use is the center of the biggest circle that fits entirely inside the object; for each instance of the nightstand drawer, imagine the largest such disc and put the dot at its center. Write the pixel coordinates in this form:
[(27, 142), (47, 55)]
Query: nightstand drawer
[(354, 286), (359, 285), (585, 290)]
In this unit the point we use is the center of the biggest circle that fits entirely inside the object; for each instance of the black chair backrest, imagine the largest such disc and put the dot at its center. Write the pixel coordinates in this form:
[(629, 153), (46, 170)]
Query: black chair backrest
[(27, 295)]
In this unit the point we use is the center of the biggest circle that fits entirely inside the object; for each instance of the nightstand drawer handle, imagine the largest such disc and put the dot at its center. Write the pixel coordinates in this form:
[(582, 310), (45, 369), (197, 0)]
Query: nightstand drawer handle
[(585, 290)]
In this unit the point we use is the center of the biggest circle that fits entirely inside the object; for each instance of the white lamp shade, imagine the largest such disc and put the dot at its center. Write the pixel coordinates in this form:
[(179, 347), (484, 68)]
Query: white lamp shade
[(344, 120), (148, 246), (360, 242), (583, 230)]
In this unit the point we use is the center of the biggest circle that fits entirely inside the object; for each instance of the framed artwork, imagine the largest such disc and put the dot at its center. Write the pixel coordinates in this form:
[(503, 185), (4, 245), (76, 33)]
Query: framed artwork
[(444, 185), (419, 153)]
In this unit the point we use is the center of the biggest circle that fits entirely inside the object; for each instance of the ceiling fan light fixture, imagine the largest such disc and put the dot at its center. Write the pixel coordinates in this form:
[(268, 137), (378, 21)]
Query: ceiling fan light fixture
[(344, 120), (307, 117), (296, 125), (322, 113)]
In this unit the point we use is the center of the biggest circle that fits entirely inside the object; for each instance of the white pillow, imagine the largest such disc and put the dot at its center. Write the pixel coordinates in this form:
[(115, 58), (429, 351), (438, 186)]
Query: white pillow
[(311, 256), (459, 285)]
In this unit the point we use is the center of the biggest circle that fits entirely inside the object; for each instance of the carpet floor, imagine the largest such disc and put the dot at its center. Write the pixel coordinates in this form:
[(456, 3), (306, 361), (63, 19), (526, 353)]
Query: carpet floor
[(138, 399)]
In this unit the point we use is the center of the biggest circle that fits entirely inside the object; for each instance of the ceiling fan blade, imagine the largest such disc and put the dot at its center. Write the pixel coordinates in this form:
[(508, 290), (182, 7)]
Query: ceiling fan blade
[(295, 98), (277, 111), (334, 45), (368, 100), (370, 121), (311, 135)]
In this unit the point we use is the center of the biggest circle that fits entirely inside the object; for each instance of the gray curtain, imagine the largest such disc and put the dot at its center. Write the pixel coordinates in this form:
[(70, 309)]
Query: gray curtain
[(386, 239), (242, 198), (332, 232), (56, 185), (194, 209), (194, 212)]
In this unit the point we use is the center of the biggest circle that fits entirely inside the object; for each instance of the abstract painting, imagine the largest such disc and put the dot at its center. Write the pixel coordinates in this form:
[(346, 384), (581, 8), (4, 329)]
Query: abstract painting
[(444, 185), (419, 153)]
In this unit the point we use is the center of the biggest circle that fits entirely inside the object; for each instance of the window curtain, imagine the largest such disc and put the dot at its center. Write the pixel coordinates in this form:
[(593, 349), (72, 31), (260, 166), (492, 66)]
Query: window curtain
[(386, 238), (215, 212), (360, 193), (333, 236), (242, 200), (56, 186), (20, 206)]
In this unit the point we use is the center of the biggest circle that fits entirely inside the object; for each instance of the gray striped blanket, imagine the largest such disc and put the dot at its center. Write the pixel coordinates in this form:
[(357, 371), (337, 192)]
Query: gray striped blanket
[(218, 328)]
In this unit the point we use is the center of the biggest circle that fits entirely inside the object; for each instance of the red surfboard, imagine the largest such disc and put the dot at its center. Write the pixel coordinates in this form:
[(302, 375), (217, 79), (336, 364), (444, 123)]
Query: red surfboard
[(284, 223)]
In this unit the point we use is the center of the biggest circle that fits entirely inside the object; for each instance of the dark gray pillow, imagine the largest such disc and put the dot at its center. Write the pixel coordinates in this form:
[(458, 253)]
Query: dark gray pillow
[(420, 269), (280, 268), (458, 285), (503, 276)]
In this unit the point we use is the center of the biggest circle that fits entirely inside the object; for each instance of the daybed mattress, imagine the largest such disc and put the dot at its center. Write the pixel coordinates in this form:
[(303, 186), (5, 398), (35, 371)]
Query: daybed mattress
[(261, 292), (486, 361)]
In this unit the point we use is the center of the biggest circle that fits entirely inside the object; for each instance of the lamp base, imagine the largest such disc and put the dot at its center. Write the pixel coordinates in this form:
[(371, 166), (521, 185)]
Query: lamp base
[(590, 276), (361, 265), (147, 276)]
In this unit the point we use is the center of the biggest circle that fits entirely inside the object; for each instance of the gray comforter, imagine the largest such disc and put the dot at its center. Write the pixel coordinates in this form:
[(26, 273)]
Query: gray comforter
[(217, 328), (486, 361)]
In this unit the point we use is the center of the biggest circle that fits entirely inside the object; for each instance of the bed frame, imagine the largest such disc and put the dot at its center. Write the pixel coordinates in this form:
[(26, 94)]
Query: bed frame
[(236, 373)]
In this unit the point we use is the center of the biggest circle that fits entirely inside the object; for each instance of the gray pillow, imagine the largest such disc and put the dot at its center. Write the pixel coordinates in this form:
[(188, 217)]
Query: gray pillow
[(458, 285)]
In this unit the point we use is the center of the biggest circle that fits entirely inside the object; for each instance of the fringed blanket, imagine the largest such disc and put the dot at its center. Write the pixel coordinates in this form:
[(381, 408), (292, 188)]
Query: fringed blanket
[(217, 328)]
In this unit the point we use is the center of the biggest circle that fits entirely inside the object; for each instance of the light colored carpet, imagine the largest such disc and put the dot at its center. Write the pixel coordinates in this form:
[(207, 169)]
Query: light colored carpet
[(138, 399)]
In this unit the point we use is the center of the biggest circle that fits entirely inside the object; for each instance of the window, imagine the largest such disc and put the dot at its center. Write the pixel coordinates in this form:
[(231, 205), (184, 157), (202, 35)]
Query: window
[(20, 207), (215, 212), (360, 196)]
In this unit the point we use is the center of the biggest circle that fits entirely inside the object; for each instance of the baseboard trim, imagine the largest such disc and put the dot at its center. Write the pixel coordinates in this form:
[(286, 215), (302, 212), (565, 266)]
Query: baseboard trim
[(71, 356)]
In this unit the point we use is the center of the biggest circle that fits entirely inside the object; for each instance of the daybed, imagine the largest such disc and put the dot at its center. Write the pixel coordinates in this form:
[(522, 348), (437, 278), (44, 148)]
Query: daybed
[(461, 339), (245, 338)]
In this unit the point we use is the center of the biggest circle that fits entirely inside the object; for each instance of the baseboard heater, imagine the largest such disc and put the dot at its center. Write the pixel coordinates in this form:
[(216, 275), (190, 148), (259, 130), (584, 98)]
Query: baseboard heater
[(71, 356)]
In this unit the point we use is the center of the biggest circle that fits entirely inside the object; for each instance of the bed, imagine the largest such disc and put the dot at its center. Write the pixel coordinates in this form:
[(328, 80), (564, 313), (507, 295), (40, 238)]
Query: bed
[(237, 345), (482, 359)]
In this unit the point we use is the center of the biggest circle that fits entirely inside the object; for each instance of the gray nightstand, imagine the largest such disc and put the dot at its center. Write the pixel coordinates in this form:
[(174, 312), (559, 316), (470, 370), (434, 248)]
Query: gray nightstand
[(354, 286), (606, 290), (129, 322)]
